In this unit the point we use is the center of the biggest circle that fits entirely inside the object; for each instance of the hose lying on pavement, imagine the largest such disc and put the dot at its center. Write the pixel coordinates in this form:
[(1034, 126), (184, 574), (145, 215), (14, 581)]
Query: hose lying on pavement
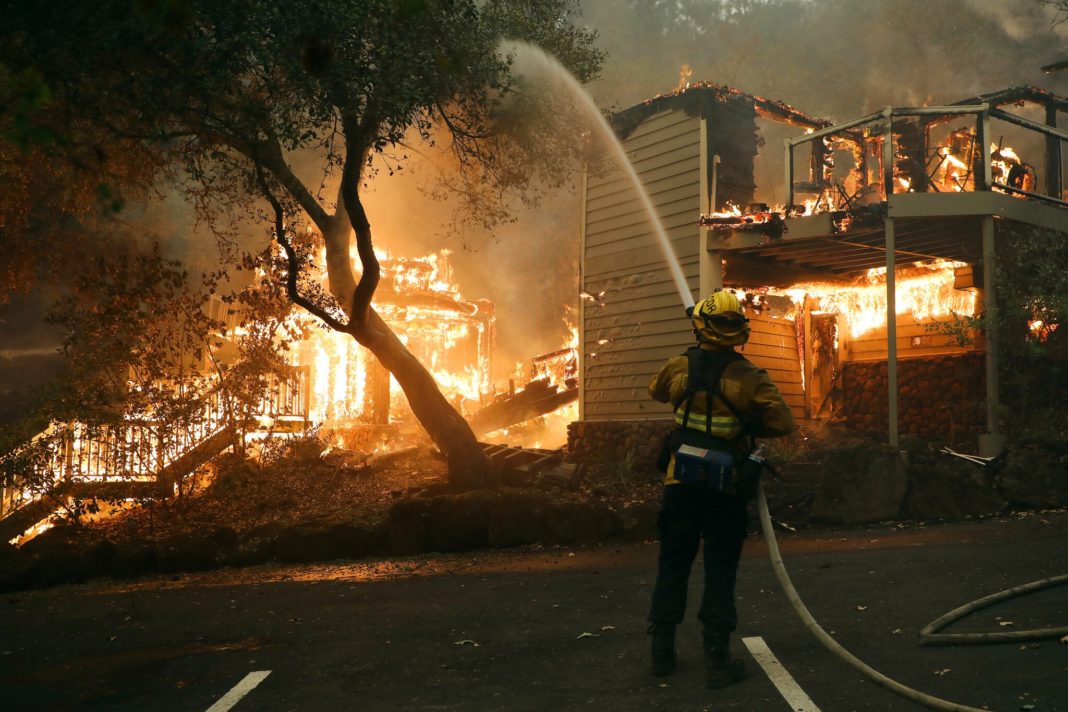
[(930, 635), (830, 643)]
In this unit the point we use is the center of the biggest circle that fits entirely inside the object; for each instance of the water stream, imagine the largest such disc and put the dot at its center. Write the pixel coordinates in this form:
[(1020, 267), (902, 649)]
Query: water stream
[(531, 57)]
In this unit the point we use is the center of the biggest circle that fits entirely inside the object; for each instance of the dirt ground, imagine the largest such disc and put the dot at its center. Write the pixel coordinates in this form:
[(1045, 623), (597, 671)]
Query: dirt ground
[(307, 484)]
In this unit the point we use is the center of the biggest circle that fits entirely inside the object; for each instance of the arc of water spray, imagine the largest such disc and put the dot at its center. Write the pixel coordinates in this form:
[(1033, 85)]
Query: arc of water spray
[(529, 56)]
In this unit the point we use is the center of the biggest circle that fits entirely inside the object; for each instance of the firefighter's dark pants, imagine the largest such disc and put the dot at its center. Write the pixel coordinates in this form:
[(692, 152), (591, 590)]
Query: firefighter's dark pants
[(688, 515)]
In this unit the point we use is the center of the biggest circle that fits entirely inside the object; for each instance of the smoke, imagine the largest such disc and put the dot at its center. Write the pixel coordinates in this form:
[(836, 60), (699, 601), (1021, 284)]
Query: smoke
[(528, 266), (1023, 20), (836, 59)]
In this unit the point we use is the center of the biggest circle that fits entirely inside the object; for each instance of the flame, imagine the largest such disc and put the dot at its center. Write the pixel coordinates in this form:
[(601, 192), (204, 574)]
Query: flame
[(420, 302), (924, 290)]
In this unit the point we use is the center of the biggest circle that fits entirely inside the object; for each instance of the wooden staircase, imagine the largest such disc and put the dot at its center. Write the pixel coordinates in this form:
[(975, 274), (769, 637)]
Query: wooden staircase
[(132, 460)]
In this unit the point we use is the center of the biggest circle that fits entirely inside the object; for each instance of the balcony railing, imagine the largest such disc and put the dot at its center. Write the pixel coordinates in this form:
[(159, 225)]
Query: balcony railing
[(894, 152)]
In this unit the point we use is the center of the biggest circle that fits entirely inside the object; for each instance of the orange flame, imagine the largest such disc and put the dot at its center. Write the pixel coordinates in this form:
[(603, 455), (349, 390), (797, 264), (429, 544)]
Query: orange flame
[(924, 290), (424, 307)]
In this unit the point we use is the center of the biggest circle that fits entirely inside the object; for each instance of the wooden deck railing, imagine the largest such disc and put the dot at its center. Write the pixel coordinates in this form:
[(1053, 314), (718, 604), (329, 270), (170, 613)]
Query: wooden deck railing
[(74, 457)]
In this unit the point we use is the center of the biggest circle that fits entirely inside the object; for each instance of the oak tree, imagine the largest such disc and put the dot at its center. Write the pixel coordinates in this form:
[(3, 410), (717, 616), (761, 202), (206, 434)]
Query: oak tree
[(297, 103)]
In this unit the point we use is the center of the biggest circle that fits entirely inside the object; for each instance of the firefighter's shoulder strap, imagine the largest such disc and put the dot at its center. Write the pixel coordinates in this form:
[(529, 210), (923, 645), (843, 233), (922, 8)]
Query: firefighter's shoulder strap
[(704, 371)]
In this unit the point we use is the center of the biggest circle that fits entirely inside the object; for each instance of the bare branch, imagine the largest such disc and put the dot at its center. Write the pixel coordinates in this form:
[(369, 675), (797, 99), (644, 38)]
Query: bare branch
[(293, 272)]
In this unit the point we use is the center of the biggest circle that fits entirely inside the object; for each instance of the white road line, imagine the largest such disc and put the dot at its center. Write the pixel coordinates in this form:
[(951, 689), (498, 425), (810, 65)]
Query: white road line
[(241, 689), (779, 676)]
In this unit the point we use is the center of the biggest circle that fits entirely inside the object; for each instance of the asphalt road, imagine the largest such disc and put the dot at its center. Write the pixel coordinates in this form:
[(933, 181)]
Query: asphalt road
[(507, 630)]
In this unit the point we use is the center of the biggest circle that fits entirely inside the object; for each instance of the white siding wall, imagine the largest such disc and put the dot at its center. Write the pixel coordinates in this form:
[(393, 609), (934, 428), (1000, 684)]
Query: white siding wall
[(639, 322)]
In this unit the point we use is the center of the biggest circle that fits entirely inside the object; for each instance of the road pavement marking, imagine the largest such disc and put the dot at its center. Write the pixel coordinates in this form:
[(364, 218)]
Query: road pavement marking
[(779, 676), (241, 689)]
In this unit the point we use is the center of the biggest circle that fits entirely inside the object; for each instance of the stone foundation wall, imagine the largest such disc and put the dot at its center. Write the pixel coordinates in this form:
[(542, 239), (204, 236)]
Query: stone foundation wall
[(594, 441), (939, 397)]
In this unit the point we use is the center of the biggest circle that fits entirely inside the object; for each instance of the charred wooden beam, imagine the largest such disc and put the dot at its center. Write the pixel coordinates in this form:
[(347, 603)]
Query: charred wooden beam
[(1056, 66), (538, 398), (517, 465), (430, 300), (1015, 95)]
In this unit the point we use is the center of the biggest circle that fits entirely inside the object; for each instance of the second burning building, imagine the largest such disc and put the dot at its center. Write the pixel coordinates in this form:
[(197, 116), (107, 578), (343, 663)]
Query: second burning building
[(860, 269)]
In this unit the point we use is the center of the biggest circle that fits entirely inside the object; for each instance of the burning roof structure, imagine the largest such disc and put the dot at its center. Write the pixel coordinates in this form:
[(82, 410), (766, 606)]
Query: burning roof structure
[(884, 229)]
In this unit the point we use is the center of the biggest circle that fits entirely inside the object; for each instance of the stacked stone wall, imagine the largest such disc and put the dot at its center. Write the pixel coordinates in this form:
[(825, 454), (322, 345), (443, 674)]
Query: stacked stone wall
[(596, 441), (939, 397)]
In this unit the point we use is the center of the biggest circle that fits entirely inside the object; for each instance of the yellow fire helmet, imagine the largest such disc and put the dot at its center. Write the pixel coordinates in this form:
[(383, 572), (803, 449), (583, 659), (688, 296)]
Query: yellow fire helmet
[(718, 319)]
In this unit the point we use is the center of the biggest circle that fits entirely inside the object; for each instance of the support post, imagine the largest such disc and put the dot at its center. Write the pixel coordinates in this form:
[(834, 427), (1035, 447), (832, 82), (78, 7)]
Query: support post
[(982, 137), (1054, 179), (888, 155), (806, 312), (710, 262), (582, 302), (789, 163), (891, 334), (992, 442), (306, 395), (891, 283), (715, 183)]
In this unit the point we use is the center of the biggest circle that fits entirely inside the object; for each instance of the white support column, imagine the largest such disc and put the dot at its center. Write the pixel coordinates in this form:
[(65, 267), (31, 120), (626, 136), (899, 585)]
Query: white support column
[(788, 162), (891, 282), (992, 442), (710, 263), (891, 333)]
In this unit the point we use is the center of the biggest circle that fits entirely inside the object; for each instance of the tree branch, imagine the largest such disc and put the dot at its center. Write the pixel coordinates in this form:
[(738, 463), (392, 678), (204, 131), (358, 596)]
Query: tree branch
[(350, 181), (276, 164), (294, 263)]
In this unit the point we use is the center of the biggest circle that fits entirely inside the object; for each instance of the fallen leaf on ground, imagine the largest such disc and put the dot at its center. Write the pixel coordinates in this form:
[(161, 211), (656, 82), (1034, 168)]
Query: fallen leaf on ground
[(586, 635), (467, 642), (862, 608), (608, 627), (941, 672), (1005, 623)]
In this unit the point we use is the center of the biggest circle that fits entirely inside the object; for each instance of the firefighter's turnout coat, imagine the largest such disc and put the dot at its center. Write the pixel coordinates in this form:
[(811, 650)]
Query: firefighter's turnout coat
[(747, 387)]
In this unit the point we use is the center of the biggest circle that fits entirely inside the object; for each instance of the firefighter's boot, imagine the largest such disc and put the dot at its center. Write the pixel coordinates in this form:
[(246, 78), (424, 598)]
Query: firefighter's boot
[(720, 669), (663, 648)]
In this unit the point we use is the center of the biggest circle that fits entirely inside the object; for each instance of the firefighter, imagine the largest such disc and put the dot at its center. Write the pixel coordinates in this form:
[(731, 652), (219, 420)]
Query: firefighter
[(704, 495)]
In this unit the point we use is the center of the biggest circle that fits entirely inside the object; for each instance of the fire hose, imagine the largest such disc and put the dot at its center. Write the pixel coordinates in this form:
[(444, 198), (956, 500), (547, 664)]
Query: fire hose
[(927, 635)]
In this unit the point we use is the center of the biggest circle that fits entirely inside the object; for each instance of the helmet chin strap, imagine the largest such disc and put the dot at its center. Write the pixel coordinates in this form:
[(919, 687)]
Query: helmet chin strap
[(696, 331)]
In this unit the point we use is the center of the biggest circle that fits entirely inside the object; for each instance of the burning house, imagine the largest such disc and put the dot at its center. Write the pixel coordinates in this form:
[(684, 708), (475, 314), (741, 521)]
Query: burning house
[(884, 233), (353, 395), (451, 335)]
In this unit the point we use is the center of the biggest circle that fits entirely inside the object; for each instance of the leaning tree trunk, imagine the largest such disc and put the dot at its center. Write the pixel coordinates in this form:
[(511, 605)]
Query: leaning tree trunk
[(468, 465)]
